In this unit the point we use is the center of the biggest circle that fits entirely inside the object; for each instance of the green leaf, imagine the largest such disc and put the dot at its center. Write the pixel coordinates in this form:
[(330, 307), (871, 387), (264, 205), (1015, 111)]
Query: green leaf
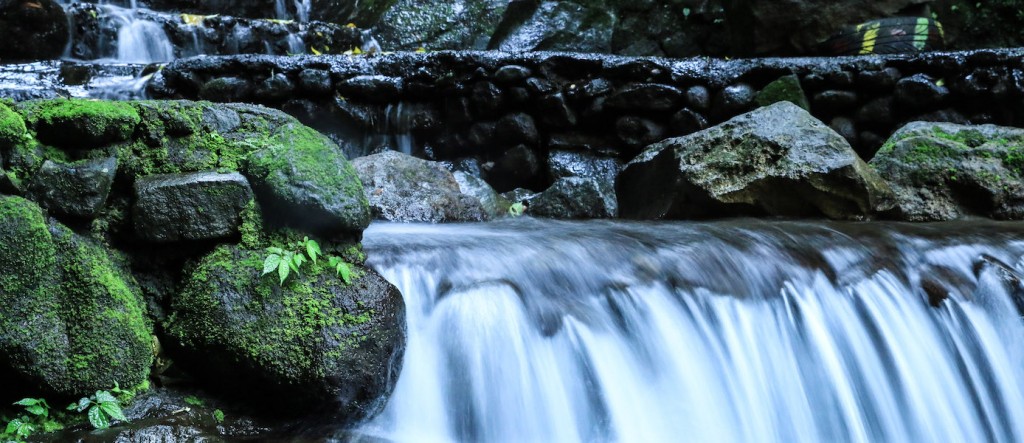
[(12, 426), (37, 410), (218, 415), (270, 264), (516, 209), (105, 397), (27, 402), (297, 261), (52, 426), (98, 419), (312, 249), (194, 401), (345, 272), (83, 404), (282, 271), (275, 250), (333, 261), (113, 410)]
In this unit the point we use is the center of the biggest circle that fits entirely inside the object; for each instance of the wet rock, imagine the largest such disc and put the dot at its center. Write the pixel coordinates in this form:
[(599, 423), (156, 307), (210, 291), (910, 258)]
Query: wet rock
[(919, 92), (517, 128), (457, 24), (486, 99), (78, 189), (304, 179), (372, 88), (520, 195), (776, 160), (1011, 280), (878, 111), (64, 331), (557, 26), (834, 101), (785, 88), (732, 100), (315, 81), (481, 134), (645, 97), (80, 124), (510, 74), (493, 204), (879, 81), (198, 206), (638, 132), (698, 97), (594, 88), (687, 121), (35, 30), (944, 171), (226, 90), (403, 188), (575, 198), (577, 141), (275, 88), (555, 112), (846, 128), (580, 164), (518, 167), (313, 342)]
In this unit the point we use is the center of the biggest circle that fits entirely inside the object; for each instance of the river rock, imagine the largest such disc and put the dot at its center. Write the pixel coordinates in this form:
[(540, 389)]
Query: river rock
[(198, 206), (33, 30), (73, 320), (400, 187), (313, 342), (563, 163), (776, 160), (944, 171), (645, 97), (492, 203), (78, 189), (304, 178), (575, 198)]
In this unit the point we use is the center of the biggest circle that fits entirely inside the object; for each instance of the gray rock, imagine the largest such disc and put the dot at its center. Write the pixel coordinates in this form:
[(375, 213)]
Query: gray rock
[(575, 198), (458, 24), (403, 188), (78, 189), (198, 206), (776, 160), (943, 171), (493, 204), (580, 164)]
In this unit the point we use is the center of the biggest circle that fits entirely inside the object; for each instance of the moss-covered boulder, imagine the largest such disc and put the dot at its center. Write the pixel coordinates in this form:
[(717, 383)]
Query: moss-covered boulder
[(73, 321), (12, 128), (305, 179), (944, 171), (313, 342), (79, 123), (776, 160)]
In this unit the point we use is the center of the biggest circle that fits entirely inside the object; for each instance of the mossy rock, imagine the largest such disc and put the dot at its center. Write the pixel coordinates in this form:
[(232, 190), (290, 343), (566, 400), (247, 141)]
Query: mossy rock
[(79, 123), (313, 342), (786, 88), (12, 128), (73, 320), (945, 171)]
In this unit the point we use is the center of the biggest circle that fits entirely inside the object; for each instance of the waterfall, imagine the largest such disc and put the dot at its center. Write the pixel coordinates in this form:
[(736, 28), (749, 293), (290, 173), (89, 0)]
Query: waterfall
[(745, 331), (143, 41), (392, 129)]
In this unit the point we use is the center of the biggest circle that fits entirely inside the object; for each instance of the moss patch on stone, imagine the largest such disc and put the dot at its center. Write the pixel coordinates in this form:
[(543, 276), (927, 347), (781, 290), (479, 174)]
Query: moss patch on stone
[(785, 88), (12, 128), (80, 123)]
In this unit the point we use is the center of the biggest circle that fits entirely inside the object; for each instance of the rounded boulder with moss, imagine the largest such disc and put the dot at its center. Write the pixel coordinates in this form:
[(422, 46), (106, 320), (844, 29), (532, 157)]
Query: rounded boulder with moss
[(312, 342), (73, 320)]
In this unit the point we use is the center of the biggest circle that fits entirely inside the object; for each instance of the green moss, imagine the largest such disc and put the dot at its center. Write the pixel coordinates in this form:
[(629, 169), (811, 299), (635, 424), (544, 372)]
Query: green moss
[(785, 88), (252, 226), (12, 128), (79, 123)]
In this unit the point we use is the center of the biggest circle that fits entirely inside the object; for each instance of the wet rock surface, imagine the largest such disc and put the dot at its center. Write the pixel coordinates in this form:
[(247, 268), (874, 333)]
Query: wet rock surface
[(407, 189), (199, 206)]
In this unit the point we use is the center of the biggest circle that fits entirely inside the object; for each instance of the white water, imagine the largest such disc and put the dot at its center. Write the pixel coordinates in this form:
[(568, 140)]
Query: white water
[(530, 331)]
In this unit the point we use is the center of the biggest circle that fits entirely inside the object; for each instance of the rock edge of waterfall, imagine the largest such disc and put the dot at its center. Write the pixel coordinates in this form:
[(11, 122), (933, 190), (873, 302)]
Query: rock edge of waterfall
[(134, 238)]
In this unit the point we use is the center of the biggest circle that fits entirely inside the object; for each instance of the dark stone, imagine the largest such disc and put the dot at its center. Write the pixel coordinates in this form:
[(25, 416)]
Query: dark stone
[(645, 97), (486, 99), (518, 167), (575, 198), (687, 121), (457, 111), (834, 101), (372, 88), (637, 132), (878, 112), (519, 195), (403, 188), (840, 79), (950, 115), (733, 100), (314, 342), (880, 81), (316, 81), (198, 206), (456, 24), (78, 189), (846, 128), (481, 135), (595, 87), (869, 144), (775, 160), (555, 112), (539, 86), (563, 163), (35, 30), (275, 88), (227, 90), (517, 95), (698, 97), (517, 128), (944, 171), (510, 74), (556, 26), (577, 141), (919, 93)]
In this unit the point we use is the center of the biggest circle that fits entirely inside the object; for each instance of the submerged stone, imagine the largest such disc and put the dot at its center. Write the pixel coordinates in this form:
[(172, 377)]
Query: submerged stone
[(776, 160)]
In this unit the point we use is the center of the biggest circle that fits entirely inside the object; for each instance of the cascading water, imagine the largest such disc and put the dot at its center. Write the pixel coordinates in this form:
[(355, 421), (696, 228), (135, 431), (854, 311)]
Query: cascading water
[(526, 331)]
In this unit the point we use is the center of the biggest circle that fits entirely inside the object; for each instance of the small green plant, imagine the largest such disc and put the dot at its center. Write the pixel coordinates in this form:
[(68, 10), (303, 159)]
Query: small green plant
[(517, 209), (287, 261), (218, 415), (194, 401), (102, 407), (36, 418), (342, 268)]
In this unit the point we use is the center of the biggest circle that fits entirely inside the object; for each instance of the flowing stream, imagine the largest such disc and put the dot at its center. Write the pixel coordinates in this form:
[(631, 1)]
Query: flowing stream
[(746, 331)]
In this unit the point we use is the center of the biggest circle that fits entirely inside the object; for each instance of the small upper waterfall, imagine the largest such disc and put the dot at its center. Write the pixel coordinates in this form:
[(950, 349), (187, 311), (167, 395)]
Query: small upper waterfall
[(717, 332)]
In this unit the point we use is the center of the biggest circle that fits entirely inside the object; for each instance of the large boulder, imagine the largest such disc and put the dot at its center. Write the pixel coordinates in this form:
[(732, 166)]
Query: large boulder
[(197, 206), (776, 160), (73, 320), (77, 189), (32, 30), (313, 342), (943, 171), (404, 188), (306, 180)]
